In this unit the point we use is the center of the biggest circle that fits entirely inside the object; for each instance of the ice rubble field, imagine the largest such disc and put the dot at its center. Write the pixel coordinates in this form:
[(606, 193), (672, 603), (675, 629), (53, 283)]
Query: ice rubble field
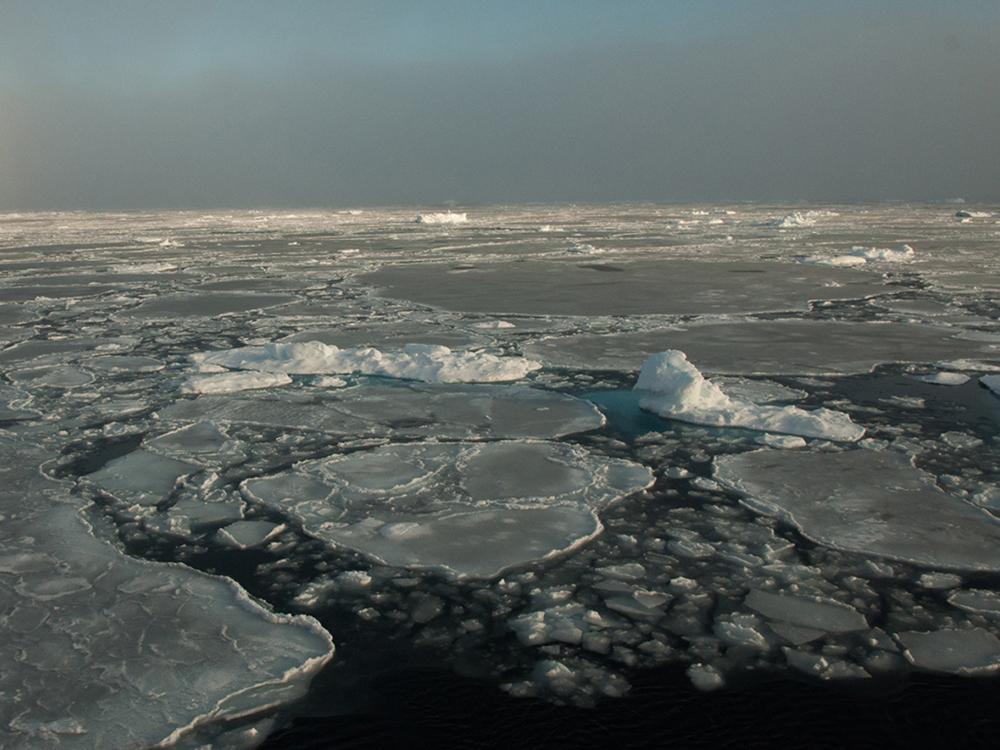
[(565, 444)]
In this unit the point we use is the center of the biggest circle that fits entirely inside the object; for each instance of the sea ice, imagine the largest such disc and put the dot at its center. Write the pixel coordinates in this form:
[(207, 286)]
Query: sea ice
[(672, 387), (106, 651), (867, 502), (405, 409), (426, 362), (456, 507), (764, 347), (971, 651), (141, 477), (637, 287)]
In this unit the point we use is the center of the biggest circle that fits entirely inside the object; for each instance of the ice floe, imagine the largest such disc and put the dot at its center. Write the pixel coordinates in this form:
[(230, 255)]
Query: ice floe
[(103, 650), (672, 387), (461, 507), (867, 502)]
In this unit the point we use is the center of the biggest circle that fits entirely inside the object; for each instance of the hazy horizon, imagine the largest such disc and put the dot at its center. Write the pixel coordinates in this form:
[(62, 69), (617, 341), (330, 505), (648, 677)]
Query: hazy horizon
[(150, 106)]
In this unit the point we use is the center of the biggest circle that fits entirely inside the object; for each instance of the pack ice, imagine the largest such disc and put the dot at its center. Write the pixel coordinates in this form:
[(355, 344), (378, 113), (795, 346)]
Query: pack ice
[(106, 651)]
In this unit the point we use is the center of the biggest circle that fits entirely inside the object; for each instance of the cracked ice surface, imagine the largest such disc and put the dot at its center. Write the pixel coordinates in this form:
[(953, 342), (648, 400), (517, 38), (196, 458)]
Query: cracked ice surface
[(455, 507), (407, 410), (897, 511), (104, 651)]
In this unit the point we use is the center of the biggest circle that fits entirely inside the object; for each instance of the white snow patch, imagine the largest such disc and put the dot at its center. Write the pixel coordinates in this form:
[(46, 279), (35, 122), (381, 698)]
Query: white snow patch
[(945, 378), (674, 388), (426, 362), (860, 255)]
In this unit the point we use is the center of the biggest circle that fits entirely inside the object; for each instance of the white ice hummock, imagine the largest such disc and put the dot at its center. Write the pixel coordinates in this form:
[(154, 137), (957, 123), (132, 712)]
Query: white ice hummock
[(449, 217), (672, 387), (426, 362)]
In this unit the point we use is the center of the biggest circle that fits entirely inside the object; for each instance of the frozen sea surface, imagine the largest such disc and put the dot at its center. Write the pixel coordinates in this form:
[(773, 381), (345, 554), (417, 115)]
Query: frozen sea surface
[(422, 440)]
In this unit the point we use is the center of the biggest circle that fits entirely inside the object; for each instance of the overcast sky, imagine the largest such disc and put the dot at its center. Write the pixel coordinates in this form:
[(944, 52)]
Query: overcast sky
[(173, 104)]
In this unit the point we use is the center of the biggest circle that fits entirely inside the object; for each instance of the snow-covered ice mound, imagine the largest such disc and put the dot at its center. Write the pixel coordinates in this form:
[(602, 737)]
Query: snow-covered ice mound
[(868, 502), (469, 509), (404, 409), (798, 219), (448, 217), (426, 362), (106, 651), (672, 387), (859, 256)]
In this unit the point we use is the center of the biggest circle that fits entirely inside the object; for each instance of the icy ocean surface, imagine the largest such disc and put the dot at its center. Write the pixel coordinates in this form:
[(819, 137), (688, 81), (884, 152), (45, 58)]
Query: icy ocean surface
[(251, 457)]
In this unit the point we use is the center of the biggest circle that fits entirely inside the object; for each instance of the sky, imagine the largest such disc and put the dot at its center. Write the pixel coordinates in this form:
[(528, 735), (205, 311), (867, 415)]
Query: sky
[(142, 104)]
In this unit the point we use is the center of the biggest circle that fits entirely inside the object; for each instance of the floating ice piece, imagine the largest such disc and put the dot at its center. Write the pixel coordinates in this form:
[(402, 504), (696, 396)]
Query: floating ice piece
[(247, 534), (122, 363), (972, 651), (869, 502), (426, 362), (817, 613), (992, 382), (859, 256), (469, 509), (233, 382), (945, 378), (198, 438), (976, 600), (786, 442), (673, 387), (705, 677), (106, 651), (141, 477), (442, 218)]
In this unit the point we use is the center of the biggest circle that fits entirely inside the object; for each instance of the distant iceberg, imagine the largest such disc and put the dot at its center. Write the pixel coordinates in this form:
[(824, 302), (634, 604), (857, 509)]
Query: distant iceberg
[(801, 219), (859, 256)]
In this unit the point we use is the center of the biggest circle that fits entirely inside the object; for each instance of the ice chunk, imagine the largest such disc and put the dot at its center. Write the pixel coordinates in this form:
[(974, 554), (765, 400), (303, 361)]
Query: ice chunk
[(233, 382), (198, 438), (442, 218), (859, 256), (976, 600), (992, 382), (102, 650), (868, 502), (826, 615), (459, 507), (141, 477), (798, 219), (945, 378), (426, 362), (971, 651), (246, 534), (673, 387)]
